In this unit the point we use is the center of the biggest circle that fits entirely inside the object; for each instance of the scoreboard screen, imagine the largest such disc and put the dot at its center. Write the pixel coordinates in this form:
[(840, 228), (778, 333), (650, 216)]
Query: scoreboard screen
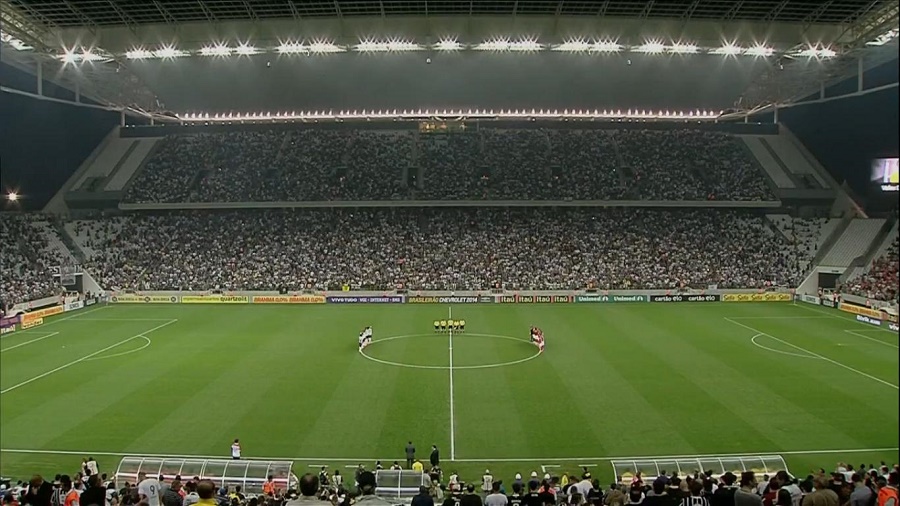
[(885, 172)]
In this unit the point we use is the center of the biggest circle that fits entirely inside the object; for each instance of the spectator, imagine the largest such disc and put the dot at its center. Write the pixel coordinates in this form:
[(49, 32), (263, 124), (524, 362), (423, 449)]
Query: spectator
[(823, 495), (746, 495), (309, 487), (696, 498), (496, 498), (39, 492), (423, 498), (206, 491), (470, 498), (171, 496), (367, 491), (95, 494)]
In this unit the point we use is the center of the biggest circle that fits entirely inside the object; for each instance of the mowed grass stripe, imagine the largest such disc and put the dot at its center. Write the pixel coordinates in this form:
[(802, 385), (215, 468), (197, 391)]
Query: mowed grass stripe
[(600, 383), (76, 339), (822, 337)]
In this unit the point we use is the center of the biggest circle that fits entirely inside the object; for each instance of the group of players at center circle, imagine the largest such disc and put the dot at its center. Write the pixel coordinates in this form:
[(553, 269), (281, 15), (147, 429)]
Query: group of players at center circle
[(537, 335)]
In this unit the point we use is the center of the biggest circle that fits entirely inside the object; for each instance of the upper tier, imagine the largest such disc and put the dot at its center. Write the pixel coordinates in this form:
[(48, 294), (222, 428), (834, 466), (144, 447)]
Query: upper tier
[(486, 164)]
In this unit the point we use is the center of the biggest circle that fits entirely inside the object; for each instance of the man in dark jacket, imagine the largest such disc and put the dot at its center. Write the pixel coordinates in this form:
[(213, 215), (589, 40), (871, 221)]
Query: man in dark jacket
[(435, 457), (423, 498), (39, 492), (95, 495)]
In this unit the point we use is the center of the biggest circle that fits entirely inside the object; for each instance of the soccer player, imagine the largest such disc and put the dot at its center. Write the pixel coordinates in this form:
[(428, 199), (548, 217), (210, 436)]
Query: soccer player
[(368, 334), (437, 326), (362, 340), (537, 337), (443, 325), (462, 325), (236, 449)]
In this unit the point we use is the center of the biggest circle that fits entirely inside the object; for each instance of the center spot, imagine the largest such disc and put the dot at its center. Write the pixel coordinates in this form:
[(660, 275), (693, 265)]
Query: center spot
[(432, 351)]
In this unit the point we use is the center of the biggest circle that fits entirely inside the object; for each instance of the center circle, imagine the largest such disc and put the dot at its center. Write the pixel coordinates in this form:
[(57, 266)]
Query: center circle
[(458, 338)]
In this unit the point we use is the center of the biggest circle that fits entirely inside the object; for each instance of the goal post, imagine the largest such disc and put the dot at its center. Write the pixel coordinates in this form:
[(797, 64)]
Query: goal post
[(686, 466), (400, 483)]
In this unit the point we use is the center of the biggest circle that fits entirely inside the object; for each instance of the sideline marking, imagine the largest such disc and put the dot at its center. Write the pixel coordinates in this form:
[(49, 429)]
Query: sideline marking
[(444, 367), (124, 352), (452, 418), (51, 334), (879, 341), (828, 315), (753, 340), (82, 359), (546, 459), (78, 315), (777, 317), (835, 362)]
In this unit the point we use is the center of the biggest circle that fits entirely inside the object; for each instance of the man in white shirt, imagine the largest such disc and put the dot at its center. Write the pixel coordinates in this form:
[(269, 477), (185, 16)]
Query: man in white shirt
[(236, 449), (148, 490)]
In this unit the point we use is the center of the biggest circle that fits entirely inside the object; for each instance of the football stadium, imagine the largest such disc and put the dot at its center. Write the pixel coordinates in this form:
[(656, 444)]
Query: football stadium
[(456, 252)]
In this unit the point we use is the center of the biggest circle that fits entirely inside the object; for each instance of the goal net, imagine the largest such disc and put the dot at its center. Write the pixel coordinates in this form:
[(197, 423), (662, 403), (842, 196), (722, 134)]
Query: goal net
[(401, 483), (651, 468)]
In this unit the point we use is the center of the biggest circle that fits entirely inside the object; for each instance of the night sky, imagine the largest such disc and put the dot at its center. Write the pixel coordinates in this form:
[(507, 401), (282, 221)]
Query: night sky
[(43, 143)]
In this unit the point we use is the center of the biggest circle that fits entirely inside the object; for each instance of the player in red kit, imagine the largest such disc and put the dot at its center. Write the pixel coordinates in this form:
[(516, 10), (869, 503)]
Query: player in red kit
[(537, 337)]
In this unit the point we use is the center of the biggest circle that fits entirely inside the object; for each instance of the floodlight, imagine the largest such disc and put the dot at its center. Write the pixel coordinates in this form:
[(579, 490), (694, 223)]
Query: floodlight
[(366, 46), (320, 47), (760, 50), (651, 47), (448, 45), (684, 49), (12, 196), (88, 55), (217, 50), (246, 50), (574, 46), (169, 52), (290, 48), (728, 49), (69, 56), (884, 38), (507, 45), (138, 54), (14, 42)]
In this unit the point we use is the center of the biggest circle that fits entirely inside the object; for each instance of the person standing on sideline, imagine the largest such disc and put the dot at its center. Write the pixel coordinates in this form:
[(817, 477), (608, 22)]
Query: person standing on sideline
[(435, 457), (410, 454), (236, 449), (423, 498), (496, 498)]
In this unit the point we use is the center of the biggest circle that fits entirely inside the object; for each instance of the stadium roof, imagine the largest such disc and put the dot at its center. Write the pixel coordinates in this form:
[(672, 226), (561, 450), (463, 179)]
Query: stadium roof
[(122, 53), (76, 13)]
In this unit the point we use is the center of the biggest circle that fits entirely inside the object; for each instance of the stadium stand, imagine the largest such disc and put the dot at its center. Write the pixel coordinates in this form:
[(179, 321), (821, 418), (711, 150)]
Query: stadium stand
[(30, 248), (490, 164), (853, 242), (881, 280), (439, 249), (806, 235)]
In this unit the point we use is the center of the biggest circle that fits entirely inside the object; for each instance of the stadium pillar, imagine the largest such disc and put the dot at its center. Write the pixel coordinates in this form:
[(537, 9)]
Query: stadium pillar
[(821, 90), (860, 70), (122, 117), (77, 93), (775, 113), (39, 75)]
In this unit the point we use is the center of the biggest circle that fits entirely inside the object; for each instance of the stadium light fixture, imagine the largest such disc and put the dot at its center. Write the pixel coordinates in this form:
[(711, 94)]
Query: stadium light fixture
[(760, 50), (583, 46), (728, 49), (684, 49), (651, 47), (216, 50), (69, 56), (138, 54), (817, 52), (504, 44), (420, 114), (884, 38), (390, 46), (15, 43), (169, 52), (290, 48), (323, 47), (12, 196), (448, 45), (246, 50)]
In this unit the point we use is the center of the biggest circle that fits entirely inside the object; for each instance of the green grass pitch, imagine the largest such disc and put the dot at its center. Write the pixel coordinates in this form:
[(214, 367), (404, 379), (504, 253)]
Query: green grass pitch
[(617, 380)]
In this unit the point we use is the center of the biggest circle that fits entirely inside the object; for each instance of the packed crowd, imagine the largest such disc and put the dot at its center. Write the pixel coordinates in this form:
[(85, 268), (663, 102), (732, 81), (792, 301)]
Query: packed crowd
[(441, 249), (881, 281), (25, 260), (487, 164), (845, 486)]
